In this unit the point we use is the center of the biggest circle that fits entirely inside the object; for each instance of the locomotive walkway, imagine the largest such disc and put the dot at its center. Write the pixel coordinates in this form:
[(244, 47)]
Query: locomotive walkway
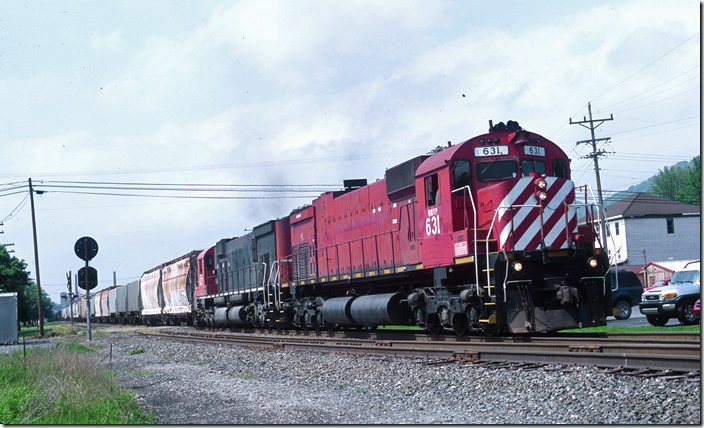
[(647, 354)]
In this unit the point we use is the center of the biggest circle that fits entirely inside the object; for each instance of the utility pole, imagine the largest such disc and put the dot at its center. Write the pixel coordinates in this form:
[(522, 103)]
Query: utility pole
[(645, 269), (70, 296), (36, 261), (596, 154)]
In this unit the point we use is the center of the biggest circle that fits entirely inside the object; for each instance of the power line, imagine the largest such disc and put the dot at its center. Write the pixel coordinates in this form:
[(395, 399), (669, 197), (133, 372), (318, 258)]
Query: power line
[(186, 184), (174, 189), (656, 124), (647, 65), (659, 100), (15, 210), (181, 196), (696, 67), (285, 162)]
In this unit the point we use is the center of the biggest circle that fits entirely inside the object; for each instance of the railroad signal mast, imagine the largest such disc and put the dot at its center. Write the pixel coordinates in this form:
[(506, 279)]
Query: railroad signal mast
[(595, 154)]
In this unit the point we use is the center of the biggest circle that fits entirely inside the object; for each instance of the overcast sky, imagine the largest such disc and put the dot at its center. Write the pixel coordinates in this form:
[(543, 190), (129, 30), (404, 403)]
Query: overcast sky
[(298, 92)]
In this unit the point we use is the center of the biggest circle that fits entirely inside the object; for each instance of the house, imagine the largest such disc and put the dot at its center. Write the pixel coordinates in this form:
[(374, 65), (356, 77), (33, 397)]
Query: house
[(643, 227)]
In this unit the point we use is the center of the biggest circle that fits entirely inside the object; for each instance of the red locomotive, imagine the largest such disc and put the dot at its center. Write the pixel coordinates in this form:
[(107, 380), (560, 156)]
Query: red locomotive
[(481, 236)]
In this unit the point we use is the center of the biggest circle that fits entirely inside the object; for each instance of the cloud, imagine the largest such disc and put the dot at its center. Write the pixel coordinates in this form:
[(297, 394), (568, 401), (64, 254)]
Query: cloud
[(107, 42)]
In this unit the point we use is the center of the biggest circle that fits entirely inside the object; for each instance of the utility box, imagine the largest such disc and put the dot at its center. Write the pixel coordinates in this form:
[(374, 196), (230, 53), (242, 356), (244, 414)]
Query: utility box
[(8, 318)]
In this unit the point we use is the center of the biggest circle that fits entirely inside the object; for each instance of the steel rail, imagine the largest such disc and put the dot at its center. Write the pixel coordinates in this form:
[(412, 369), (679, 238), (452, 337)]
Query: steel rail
[(660, 356)]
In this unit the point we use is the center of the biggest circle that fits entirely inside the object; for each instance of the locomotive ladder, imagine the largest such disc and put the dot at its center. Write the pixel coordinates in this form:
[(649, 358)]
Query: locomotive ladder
[(272, 289), (489, 307)]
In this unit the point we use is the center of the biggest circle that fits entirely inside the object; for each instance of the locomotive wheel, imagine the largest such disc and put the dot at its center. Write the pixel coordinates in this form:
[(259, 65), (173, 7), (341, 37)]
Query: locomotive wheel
[(434, 327), (491, 330), (460, 324), (302, 323)]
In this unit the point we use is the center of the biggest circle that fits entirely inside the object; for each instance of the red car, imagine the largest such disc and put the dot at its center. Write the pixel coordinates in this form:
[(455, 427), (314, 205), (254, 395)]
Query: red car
[(696, 310), (660, 283)]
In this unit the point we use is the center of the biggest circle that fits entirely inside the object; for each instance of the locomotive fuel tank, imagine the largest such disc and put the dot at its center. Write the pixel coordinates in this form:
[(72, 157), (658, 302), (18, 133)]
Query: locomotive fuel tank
[(372, 310), (237, 315), (337, 311), (379, 309), (221, 316)]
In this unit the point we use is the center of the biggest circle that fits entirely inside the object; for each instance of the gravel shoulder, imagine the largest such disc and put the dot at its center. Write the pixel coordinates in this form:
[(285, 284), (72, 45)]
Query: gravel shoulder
[(185, 383)]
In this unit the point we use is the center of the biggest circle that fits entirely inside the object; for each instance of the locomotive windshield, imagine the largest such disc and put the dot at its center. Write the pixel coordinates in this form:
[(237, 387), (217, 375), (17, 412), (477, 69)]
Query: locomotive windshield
[(497, 170), (532, 165), (460, 173), (559, 168)]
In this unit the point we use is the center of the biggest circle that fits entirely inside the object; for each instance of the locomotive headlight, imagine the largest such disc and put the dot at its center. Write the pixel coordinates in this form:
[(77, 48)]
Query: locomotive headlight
[(517, 266), (542, 195), (541, 183), (593, 262)]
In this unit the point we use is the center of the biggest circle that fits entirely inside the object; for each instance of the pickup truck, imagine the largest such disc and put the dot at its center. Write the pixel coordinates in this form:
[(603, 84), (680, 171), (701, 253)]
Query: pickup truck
[(675, 300), (626, 295)]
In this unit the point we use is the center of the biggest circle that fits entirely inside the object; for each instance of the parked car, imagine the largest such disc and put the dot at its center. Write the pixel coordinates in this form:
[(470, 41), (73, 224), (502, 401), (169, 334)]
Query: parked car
[(674, 300), (696, 310), (626, 294)]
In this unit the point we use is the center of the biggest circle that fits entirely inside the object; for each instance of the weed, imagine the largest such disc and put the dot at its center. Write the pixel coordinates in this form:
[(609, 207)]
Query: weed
[(63, 384), (138, 350), (247, 376)]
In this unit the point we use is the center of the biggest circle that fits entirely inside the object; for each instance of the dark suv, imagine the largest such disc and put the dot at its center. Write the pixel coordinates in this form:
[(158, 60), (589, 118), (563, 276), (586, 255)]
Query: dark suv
[(626, 295)]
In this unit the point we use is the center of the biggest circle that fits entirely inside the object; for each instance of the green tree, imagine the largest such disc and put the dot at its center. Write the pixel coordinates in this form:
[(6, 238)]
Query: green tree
[(14, 278), (680, 183), (691, 191)]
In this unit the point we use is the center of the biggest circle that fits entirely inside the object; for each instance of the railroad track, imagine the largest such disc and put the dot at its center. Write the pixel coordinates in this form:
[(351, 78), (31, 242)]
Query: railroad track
[(677, 354)]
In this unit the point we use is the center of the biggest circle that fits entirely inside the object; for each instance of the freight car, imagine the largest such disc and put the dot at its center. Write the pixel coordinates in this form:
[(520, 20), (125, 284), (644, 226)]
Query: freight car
[(479, 237)]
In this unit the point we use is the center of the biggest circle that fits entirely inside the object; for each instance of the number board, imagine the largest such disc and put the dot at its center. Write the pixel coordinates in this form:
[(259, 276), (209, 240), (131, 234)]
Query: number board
[(491, 151), (534, 150)]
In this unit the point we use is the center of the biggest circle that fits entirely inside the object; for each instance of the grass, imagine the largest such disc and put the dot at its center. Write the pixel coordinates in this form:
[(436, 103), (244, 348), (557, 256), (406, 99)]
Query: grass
[(400, 327), (648, 329), (63, 385), (57, 329), (138, 350), (53, 329)]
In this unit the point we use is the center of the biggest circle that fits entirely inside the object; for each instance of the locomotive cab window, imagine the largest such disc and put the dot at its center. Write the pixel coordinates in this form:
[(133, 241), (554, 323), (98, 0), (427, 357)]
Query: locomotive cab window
[(496, 170), (460, 174), (559, 168), (532, 165), (432, 189)]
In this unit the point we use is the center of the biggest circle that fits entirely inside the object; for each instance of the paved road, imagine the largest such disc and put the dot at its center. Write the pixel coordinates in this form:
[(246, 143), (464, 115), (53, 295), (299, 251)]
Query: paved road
[(637, 320)]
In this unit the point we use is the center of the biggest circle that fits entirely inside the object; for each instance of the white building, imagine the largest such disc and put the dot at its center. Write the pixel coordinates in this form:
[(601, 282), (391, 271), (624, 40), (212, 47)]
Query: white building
[(643, 227)]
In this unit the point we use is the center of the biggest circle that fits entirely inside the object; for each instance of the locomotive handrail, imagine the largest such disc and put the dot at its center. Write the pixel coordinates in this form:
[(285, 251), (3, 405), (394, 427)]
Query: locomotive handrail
[(273, 272), (474, 239), (264, 285), (602, 278), (337, 246)]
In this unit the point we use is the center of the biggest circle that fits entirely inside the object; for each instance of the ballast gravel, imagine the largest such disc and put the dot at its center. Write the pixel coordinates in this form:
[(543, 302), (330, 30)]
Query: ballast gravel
[(188, 383)]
